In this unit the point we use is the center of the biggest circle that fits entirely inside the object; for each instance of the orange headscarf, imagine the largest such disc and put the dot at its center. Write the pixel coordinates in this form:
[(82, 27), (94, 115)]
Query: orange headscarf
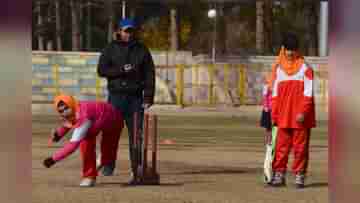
[(290, 67), (70, 101)]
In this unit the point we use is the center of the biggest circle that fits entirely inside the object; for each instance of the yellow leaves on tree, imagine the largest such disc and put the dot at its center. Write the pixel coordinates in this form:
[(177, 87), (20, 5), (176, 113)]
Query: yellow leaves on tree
[(156, 35)]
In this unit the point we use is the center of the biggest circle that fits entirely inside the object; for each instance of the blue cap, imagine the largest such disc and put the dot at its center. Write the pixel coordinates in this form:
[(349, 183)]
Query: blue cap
[(127, 23)]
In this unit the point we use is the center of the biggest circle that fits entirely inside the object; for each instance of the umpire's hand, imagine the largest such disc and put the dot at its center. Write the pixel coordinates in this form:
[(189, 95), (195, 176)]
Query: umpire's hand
[(147, 106)]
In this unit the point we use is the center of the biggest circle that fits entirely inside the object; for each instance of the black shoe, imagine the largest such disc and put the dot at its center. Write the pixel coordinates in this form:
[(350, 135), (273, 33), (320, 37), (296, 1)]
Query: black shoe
[(108, 170), (133, 182)]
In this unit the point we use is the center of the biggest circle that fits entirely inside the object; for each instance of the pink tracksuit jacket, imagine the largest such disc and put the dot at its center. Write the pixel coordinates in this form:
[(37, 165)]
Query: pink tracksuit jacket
[(91, 118)]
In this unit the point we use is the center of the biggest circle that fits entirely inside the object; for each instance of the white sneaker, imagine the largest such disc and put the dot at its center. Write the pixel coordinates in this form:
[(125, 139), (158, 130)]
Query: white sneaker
[(300, 180), (87, 182)]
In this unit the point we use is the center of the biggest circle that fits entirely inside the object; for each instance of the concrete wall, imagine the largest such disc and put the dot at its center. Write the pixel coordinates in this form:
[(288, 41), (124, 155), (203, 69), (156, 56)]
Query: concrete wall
[(237, 81)]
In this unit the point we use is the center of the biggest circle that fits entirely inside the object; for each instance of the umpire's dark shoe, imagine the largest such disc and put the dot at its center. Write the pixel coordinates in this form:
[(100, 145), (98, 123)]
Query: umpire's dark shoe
[(134, 180), (108, 170)]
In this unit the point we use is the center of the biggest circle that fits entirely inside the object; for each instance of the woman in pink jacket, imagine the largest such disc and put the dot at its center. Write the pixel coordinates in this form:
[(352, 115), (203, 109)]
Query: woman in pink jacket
[(87, 119)]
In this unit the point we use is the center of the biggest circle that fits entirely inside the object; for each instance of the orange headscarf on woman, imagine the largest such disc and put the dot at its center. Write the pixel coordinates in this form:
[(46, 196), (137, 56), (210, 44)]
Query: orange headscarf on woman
[(290, 67), (70, 101)]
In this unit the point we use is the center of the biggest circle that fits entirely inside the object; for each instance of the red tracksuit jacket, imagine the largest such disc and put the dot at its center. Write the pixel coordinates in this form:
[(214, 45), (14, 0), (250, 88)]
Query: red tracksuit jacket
[(292, 95)]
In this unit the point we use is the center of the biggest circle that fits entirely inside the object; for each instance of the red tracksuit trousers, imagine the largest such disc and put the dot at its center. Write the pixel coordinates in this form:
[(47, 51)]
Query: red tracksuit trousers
[(296, 139), (109, 147)]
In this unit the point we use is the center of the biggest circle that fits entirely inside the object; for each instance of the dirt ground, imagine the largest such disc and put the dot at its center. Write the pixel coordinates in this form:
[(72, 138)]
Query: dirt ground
[(217, 157)]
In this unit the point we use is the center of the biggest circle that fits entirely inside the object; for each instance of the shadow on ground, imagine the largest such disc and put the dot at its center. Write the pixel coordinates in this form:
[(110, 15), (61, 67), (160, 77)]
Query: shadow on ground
[(317, 185)]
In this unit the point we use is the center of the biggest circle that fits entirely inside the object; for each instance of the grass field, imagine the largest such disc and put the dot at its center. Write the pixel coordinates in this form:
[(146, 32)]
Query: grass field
[(214, 159)]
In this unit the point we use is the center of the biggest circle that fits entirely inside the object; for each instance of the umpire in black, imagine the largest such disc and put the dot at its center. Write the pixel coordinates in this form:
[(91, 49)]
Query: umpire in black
[(128, 66)]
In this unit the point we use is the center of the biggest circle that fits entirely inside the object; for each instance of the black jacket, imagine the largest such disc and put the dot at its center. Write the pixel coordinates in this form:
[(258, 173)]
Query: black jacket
[(129, 69)]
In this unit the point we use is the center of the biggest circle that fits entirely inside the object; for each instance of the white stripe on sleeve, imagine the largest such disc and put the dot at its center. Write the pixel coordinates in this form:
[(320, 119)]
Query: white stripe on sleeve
[(308, 86), (81, 131), (275, 85)]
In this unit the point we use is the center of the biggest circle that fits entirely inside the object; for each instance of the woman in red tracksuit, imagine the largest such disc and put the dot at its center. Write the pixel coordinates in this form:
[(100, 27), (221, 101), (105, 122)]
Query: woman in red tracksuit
[(293, 111)]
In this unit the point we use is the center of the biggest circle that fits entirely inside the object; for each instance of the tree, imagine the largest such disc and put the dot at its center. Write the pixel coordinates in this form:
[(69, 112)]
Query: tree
[(268, 26), (299, 17), (48, 24), (75, 30), (260, 26), (311, 17), (221, 30), (58, 26), (174, 41), (39, 26), (242, 28), (133, 6), (81, 6), (110, 12), (88, 25)]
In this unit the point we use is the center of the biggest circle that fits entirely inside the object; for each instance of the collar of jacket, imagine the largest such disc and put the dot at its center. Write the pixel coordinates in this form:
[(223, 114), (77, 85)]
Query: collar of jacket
[(125, 44)]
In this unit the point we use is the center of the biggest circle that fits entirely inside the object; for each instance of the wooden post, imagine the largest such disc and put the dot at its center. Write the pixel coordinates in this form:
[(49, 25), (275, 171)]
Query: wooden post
[(242, 84), (211, 70), (56, 78), (180, 84), (98, 88), (154, 121)]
